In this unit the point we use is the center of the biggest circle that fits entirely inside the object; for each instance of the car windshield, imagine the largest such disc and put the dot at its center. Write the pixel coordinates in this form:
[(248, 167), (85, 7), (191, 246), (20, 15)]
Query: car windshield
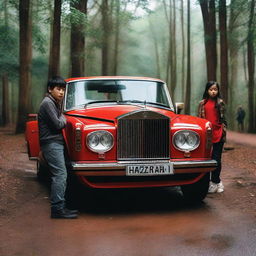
[(81, 93)]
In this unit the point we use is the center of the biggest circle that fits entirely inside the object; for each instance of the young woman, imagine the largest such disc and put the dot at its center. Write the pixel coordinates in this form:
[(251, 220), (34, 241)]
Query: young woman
[(212, 108)]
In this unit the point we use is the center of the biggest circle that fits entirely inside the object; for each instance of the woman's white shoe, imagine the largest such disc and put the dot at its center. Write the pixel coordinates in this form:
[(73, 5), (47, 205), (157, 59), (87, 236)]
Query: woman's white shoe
[(213, 188), (216, 187), (220, 188)]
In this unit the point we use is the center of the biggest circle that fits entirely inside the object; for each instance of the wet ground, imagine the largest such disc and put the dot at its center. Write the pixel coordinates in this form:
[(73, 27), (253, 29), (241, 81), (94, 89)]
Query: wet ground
[(128, 222)]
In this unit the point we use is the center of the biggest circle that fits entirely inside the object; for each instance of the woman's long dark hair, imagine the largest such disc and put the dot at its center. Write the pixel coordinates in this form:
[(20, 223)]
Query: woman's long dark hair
[(208, 85)]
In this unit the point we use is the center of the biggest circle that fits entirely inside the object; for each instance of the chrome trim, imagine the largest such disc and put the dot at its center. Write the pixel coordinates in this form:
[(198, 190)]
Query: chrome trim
[(100, 151), (186, 130), (143, 134), (122, 165), (33, 158)]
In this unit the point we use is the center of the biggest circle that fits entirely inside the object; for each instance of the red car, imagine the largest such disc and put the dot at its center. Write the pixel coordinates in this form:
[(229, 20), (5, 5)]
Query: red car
[(124, 132)]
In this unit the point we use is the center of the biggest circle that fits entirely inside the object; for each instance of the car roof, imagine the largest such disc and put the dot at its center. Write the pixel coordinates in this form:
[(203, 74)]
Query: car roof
[(113, 78)]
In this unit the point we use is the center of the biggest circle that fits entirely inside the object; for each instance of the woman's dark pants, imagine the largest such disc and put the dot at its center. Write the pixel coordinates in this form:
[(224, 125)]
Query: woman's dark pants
[(216, 155)]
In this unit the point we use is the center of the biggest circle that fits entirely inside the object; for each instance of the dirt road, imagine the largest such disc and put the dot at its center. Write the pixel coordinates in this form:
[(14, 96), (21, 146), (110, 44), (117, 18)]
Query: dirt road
[(134, 222)]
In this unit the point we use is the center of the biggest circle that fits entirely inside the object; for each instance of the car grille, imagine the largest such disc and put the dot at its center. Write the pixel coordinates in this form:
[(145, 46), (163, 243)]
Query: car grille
[(143, 135)]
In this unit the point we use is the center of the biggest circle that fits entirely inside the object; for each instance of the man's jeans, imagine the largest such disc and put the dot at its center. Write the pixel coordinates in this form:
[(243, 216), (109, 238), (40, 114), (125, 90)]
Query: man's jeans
[(54, 155)]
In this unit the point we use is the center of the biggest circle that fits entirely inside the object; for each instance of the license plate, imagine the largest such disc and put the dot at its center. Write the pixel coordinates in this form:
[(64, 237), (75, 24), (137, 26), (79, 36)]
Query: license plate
[(149, 170)]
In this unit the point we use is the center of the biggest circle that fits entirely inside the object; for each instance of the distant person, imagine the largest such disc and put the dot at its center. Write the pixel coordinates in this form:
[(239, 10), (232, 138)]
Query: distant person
[(212, 108), (240, 115), (51, 121)]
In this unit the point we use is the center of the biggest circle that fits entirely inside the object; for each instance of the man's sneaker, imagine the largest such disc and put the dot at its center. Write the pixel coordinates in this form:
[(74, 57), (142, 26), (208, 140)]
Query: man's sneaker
[(220, 188), (64, 214), (213, 187)]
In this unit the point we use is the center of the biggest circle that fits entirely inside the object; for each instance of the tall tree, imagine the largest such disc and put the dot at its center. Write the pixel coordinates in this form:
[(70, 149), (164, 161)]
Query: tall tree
[(174, 49), (5, 100), (188, 81), (169, 47), (5, 83), (105, 12), (183, 48), (251, 65), (236, 13), (155, 43), (79, 10), (209, 19), (25, 63), (223, 49), (117, 38), (54, 57), (171, 77)]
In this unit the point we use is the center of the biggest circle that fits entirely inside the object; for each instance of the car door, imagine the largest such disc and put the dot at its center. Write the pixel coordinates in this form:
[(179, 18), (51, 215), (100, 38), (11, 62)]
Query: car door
[(32, 138)]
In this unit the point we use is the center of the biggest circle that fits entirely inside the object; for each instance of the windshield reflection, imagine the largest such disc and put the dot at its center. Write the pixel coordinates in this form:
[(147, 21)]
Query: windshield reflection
[(81, 93)]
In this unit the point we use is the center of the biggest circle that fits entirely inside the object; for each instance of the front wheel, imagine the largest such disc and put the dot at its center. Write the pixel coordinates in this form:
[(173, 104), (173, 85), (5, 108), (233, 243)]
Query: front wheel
[(43, 172), (196, 192)]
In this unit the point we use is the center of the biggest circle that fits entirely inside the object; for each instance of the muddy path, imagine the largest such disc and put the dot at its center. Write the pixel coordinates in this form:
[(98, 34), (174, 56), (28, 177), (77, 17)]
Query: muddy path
[(127, 222)]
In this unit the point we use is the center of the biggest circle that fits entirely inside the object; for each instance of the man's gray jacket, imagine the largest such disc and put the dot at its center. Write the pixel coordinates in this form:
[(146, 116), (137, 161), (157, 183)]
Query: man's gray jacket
[(50, 121)]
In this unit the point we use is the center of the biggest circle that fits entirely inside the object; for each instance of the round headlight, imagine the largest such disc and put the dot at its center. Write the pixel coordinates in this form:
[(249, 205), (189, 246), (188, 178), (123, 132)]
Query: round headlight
[(180, 140), (100, 141), (186, 140)]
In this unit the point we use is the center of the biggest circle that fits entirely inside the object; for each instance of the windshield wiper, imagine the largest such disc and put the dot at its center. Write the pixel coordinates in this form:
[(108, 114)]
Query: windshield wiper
[(143, 102), (98, 101), (132, 101), (158, 104)]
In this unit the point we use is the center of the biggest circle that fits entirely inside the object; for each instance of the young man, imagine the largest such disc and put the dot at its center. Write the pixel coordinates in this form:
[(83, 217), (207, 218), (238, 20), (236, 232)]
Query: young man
[(51, 121)]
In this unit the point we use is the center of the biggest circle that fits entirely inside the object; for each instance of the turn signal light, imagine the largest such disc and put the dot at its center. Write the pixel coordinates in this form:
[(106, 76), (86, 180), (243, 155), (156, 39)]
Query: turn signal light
[(78, 137)]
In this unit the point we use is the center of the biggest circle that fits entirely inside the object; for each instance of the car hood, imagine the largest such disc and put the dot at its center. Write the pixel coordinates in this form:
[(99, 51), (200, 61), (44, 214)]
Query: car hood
[(111, 113)]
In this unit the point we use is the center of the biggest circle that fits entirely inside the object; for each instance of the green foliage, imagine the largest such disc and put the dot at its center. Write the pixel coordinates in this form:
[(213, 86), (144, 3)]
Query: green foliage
[(73, 15), (9, 50), (39, 40), (40, 66)]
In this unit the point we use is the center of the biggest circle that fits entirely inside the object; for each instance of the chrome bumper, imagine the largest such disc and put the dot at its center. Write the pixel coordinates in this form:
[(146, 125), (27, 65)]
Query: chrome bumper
[(119, 168)]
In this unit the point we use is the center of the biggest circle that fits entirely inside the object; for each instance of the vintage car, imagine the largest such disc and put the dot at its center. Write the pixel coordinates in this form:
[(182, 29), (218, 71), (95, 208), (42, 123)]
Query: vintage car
[(124, 132)]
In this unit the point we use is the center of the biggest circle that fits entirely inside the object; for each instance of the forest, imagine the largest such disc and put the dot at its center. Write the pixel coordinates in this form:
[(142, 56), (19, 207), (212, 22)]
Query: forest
[(183, 42)]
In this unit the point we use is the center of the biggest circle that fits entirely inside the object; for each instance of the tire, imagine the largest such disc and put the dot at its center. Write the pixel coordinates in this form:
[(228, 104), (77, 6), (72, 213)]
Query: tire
[(43, 172), (73, 192), (196, 192)]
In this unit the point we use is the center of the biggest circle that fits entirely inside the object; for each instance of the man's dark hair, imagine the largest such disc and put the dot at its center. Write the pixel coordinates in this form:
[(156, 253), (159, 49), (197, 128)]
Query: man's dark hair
[(56, 81)]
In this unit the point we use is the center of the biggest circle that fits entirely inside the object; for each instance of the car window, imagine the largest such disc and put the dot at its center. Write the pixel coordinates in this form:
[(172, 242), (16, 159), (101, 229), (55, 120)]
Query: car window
[(83, 92)]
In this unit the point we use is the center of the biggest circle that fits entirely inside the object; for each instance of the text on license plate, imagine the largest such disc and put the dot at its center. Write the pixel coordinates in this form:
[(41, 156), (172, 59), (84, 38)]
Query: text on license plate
[(147, 170)]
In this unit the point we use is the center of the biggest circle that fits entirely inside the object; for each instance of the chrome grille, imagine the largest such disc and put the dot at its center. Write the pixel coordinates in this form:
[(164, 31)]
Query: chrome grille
[(143, 135)]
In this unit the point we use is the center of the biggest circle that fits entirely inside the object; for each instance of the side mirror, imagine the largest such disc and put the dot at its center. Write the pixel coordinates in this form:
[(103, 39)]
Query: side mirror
[(178, 107)]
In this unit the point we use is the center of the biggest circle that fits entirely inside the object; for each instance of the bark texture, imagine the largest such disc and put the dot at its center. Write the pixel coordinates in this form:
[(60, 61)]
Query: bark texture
[(54, 59), (78, 41), (208, 12), (25, 63), (251, 67)]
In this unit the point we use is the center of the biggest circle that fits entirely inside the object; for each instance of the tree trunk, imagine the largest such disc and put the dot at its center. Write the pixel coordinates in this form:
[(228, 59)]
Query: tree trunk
[(117, 34), (5, 100), (168, 48), (183, 50), (155, 43), (78, 41), (54, 58), (208, 12), (105, 37), (233, 53), (25, 63), (188, 82), (173, 45), (251, 67), (223, 49), (170, 51)]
